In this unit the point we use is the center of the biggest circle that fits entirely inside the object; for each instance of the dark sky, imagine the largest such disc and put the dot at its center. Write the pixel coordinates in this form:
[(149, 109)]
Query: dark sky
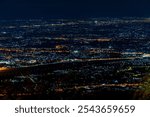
[(73, 8)]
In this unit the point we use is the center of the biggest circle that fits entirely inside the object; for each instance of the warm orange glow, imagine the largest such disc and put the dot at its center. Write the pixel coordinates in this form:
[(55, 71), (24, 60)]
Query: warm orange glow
[(99, 40), (103, 40), (59, 90), (59, 46), (3, 68)]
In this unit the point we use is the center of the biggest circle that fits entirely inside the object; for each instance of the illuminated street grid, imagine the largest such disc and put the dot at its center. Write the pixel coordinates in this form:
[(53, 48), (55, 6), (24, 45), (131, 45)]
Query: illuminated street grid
[(90, 58)]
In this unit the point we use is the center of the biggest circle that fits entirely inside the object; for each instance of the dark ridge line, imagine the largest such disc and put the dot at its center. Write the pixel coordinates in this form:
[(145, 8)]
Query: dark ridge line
[(42, 69)]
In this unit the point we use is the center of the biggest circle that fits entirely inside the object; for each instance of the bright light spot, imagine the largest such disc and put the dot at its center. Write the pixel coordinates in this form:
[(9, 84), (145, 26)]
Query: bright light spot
[(146, 55), (76, 51), (3, 68), (96, 22)]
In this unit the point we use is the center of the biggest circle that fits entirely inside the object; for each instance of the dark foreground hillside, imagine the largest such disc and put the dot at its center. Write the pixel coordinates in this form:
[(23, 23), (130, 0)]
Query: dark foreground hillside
[(76, 80)]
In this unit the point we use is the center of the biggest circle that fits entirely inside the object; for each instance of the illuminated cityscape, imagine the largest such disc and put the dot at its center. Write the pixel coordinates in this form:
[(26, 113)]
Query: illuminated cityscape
[(94, 58)]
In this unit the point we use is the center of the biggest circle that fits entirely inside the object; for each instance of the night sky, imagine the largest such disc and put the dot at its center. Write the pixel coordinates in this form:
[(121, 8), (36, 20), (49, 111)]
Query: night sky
[(10, 9)]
